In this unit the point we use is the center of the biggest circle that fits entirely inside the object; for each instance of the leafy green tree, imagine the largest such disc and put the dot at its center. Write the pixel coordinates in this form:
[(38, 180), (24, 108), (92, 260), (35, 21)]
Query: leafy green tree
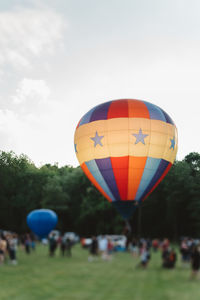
[(172, 210)]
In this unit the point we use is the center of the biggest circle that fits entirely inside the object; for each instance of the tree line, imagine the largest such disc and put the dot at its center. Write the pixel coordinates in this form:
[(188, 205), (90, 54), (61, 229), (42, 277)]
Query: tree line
[(172, 210)]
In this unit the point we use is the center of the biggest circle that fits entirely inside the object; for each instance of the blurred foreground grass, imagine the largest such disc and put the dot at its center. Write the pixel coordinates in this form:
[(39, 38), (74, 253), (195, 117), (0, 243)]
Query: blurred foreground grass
[(38, 276)]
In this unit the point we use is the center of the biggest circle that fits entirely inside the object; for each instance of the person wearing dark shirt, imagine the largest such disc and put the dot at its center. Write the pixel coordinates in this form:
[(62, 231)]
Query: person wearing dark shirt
[(52, 245), (68, 247), (93, 249), (195, 261), (169, 258)]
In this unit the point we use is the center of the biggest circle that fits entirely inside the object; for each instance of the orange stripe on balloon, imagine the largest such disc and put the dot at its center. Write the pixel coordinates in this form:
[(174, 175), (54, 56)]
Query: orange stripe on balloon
[(135, 171), (120, 170), (157, 183), (137, 109), (93, 180), (118, 109)]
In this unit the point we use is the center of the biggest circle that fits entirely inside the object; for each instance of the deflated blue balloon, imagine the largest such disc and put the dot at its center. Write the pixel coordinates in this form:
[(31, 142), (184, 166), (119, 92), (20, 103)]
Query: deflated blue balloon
[(42, 221)]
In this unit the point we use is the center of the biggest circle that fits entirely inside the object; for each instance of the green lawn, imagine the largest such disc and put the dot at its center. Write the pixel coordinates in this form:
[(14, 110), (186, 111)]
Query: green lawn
[(38, 276)]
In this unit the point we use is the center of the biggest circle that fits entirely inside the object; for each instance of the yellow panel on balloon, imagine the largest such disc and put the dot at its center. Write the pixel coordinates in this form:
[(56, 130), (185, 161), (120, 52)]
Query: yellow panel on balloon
[(136, 123), (119, 137), (117, 124)]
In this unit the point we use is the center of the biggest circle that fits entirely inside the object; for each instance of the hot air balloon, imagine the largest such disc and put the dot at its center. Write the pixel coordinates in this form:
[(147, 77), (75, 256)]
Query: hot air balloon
[(126, 147), (42, 221)]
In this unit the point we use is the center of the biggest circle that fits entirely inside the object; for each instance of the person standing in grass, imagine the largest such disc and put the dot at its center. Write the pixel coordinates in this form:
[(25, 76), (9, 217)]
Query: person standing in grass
[(185, 252), (110, 248), (103, 247), (169, 258), (13, 241), (52, 245), (134, 249), (93, 249), (3, 248), (144, 256), (33, 244), (68, 247), (155, 245), (62, 243), (195, 261), (28, 243)]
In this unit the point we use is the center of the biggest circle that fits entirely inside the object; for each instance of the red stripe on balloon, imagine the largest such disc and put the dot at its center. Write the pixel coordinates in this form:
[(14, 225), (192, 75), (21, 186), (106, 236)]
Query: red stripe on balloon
[(78, 124), (118, 109), (120, 170), (160, 179), (93, 180)]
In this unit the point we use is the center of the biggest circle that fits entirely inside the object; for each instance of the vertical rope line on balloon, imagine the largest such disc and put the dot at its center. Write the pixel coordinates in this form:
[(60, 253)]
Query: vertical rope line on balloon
[(128, 148), (140, 201), (149, 138), (165, 147), (108, 142), (128, 133), (109, 154), (172, 152), (176, 139), (106, 135)]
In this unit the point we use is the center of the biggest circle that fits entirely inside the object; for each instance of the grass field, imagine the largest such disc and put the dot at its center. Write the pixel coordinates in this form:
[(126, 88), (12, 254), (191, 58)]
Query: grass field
[(38, 276)]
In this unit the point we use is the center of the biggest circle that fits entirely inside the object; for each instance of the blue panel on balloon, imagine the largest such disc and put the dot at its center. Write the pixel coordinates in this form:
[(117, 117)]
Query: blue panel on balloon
[(93, 168)]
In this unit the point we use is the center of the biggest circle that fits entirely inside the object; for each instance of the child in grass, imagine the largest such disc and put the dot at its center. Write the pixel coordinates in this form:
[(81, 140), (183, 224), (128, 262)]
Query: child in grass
[(144, 256)]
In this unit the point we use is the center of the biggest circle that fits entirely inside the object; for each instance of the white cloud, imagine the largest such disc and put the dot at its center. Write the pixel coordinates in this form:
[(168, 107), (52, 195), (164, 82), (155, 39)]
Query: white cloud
[(30, 90), (45, 137), (37, 125), (10, 126), (28, 33)]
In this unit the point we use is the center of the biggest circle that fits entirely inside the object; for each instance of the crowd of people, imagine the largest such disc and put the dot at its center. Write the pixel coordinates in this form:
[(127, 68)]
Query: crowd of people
[(10, 242), (62, 242), (189, 251), (143, 249), (104, 247), (8, 248)]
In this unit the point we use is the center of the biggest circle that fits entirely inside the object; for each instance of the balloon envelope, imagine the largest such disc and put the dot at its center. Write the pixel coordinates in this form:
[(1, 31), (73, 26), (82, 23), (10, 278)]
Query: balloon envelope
[(126, 147), (42, 221)]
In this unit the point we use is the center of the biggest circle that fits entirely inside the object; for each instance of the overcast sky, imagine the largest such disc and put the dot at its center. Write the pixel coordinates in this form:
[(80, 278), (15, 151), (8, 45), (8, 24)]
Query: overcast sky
[(60, 58)]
